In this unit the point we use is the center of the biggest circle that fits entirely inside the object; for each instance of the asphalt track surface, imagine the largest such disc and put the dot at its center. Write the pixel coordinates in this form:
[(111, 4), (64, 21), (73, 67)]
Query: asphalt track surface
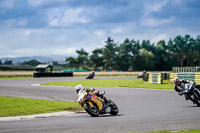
[(140, 110)]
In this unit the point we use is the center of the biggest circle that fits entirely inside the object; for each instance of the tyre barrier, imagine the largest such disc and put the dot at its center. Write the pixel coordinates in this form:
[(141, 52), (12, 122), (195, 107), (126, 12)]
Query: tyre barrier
[(155, 78), (145, 77), (69, 74), (191, 76)]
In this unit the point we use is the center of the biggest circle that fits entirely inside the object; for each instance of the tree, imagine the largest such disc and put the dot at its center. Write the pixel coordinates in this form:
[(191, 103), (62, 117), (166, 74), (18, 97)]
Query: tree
[(161, 57), (180, 51), (33, 62), (197, 58), (190, 50), (183, 49), (72, 62), (0, 62), (96, 58), (125, 55), (82, 58), (109, 54), (145, 60), (135, 54), (172, 54), (147, 45), (8, 62)]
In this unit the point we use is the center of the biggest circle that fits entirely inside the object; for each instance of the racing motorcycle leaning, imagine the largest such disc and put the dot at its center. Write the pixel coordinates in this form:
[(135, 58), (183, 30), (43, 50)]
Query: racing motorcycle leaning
[(192, 93), (95, 105)]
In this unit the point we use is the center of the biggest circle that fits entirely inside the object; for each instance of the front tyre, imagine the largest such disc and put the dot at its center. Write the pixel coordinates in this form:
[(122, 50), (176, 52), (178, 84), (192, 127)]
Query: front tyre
[(93, 111), (114, 108), (196, 99)]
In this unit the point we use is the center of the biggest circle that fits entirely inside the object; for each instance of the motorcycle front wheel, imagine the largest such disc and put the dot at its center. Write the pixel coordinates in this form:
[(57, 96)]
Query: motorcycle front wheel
[(196, 99), (93, 111), (114, 108)]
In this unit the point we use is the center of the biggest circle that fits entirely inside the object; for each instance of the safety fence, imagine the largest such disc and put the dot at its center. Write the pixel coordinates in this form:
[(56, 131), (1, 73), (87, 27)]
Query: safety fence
[(185, 69), (155, 78), (191, 76)]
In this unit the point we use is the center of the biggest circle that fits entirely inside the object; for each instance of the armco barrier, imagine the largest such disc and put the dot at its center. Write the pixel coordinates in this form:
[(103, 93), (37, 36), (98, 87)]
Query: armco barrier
[(155, 78), (69, 74), (185, 69), (191, 76)]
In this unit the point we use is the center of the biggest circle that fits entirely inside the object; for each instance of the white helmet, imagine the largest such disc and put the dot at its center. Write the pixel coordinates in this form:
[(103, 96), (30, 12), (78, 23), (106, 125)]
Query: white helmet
[(78, 87), (176, 81)]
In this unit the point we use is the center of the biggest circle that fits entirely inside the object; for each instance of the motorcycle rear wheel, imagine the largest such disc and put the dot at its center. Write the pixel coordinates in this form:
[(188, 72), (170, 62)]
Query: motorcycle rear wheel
[(93, 111)]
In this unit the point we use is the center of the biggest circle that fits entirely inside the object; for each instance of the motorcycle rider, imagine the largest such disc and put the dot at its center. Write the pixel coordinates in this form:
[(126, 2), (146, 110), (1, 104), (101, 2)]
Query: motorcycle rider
[(181, 85), (79, 89), (141, 74), (91, 75)]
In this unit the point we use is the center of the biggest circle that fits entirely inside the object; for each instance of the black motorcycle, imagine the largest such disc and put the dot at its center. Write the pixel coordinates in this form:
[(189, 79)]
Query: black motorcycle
[(90, 76), (192, 93)]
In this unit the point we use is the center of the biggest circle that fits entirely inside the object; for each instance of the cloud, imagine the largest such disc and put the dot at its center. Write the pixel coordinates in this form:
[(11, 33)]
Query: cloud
[(153, 7), (73, 16), (153, 22), (54, 17), (117, 30), (64, 51), (177, 1), (7, 4), (100, 33), (69, 17), (148, 18), (28, 32), (36, 3), (159, 37), (42, 27)]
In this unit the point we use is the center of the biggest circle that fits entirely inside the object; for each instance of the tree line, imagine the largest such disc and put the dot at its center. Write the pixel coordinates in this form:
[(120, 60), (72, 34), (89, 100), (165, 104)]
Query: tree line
[(33, 62), (135, 55)]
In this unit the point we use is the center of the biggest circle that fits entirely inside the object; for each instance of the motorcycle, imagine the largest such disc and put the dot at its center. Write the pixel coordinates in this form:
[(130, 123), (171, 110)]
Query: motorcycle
[(192, 93), (95, 105), (90, 76)]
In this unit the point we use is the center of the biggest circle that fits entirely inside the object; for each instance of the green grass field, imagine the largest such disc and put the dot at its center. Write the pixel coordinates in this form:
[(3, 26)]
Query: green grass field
[(184, 131), (132, 83), (2, 77), (10, 106)]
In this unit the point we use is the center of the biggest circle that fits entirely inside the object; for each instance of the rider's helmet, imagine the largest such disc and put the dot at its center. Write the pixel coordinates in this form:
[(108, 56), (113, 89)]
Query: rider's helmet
[(176, 81), (78, 87)]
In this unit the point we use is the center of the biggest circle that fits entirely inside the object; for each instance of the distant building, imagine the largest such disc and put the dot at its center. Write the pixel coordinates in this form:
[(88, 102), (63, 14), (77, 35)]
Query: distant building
[(44, 68)]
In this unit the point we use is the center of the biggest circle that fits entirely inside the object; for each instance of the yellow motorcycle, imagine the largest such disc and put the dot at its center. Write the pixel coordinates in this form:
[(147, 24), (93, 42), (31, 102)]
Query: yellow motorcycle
[(95, 105)]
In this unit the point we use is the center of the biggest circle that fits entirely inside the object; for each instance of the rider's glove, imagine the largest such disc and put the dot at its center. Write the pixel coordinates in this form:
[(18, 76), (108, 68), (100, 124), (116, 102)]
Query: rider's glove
[(180, 93), (101, 93)]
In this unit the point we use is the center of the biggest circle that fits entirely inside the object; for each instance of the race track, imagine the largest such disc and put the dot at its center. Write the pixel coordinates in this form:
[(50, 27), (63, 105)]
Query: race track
[(141, 110)]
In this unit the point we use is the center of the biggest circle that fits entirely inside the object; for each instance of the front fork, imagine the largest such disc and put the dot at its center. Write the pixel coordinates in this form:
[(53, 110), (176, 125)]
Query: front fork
[(90, 104), (188, 97)]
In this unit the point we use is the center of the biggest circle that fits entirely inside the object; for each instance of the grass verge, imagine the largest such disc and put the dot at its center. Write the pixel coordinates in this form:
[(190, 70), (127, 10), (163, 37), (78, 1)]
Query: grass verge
[(10, 106), (184, 131), (2, 77), (132, 83), (108, 75)]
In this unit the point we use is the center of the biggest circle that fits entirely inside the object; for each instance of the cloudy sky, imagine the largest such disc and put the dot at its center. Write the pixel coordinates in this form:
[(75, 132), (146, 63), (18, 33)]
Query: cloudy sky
[(60, 27)]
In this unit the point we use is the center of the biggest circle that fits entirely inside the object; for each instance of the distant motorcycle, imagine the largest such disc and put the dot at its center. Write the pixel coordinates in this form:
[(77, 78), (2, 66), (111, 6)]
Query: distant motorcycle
[(95, 105), (141, 74), (192, 93), (90, 75)]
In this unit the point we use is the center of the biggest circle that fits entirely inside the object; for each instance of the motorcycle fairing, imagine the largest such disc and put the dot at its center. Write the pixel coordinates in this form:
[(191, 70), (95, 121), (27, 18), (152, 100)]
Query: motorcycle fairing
[(89, 96), (97, 101)]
